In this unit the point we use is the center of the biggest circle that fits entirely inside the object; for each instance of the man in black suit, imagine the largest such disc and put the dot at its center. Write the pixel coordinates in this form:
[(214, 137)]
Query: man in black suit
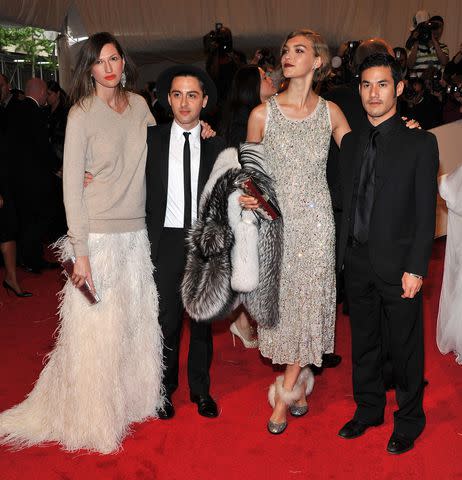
[(388, 183), (347, 98), (179, 163), (31, 165)]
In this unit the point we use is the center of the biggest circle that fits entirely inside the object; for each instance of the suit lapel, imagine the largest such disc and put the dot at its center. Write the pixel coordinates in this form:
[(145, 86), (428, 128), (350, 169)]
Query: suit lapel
[(164, 154), (204, 169), (358, 153), (385, 166)]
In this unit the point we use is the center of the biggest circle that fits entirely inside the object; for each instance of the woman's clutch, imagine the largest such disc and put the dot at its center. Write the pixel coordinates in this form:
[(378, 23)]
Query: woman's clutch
[(267, 209), (92, 298)]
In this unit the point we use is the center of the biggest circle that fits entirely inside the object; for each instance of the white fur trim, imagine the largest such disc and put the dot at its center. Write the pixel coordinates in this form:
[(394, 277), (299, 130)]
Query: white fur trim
[(244, 254), (288, 397), (227, 160), (306, 375)]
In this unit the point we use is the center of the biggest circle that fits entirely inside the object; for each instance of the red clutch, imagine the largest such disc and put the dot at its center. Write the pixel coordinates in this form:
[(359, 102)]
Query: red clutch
[(267, 209)]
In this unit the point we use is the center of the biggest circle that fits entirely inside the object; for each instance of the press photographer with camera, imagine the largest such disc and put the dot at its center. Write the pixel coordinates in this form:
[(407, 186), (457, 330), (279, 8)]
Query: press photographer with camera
[(452, 109), (419, 103), (424, 46), (222, 60), (454, 67)]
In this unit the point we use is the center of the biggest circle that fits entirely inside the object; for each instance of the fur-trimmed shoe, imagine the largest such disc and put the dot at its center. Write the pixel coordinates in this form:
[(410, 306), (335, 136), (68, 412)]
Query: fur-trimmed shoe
[(306, 382), (288, 397)]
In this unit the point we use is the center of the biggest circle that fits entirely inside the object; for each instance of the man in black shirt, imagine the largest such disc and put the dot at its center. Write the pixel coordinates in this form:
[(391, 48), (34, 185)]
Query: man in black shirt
[(388, 195)]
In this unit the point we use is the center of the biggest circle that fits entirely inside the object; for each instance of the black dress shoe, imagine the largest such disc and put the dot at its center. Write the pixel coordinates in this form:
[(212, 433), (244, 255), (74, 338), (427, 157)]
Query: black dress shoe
[(331, 360), (399, 444), (355, 428), (206, 405), (168, 410)]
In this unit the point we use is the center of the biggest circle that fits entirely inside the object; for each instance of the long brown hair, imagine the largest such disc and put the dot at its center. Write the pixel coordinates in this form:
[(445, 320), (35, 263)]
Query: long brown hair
[(320, 48), (82, 84)]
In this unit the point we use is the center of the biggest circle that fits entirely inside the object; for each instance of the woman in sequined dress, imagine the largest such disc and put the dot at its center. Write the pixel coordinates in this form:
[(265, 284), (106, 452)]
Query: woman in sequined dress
[(295, 128)]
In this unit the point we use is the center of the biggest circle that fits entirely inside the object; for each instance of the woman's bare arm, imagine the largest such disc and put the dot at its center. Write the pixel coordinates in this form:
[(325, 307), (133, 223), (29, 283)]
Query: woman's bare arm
[(340, 124)]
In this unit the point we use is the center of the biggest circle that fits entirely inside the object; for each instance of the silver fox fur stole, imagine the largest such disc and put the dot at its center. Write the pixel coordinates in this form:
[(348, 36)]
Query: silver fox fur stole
[(234, 256)]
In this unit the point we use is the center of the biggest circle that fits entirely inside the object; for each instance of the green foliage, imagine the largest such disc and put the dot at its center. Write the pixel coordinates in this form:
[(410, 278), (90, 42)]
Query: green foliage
[(31, 42)]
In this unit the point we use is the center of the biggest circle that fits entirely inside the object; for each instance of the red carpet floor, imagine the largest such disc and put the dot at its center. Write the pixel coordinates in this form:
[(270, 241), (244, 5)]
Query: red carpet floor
[(236, 444)]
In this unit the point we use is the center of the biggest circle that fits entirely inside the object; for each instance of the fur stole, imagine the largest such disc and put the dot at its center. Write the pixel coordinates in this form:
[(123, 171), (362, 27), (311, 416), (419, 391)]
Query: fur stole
[(232, 254)]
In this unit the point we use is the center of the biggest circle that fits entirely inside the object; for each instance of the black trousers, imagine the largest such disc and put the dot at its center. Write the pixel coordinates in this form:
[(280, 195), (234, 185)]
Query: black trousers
[(33, 223), (169, 270), (377, 309)]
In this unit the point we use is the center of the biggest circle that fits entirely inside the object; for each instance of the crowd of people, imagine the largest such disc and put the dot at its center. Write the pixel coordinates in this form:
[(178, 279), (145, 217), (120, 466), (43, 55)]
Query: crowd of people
[(154, 200)]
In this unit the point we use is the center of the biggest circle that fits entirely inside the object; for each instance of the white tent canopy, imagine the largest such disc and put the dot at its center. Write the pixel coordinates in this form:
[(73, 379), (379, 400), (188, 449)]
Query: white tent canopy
[(171, 30), (161, 29)]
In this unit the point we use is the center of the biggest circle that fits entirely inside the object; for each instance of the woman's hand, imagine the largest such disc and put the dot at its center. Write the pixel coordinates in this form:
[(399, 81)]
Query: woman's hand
[(207, 131), (82, 273), (87, 179), (411, 123), (248, 202)]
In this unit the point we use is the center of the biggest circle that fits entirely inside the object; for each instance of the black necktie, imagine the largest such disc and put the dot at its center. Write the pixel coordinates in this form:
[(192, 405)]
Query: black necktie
[(365, 199), (187, 180)]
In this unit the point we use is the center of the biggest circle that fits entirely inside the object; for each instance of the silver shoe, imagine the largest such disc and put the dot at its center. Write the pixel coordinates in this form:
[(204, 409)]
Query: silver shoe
[(297, 411), (252, 343), (276, 428)]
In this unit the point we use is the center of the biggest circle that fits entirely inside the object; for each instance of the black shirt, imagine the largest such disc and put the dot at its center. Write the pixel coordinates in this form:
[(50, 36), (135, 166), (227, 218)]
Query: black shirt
[(385, 130)]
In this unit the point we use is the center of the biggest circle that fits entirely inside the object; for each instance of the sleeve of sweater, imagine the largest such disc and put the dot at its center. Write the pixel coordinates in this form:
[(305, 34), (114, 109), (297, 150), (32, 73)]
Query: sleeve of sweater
[(75, 149)]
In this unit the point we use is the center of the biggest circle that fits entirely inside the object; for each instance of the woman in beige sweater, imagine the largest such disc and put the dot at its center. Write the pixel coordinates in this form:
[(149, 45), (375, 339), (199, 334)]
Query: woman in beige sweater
[(105, 371)]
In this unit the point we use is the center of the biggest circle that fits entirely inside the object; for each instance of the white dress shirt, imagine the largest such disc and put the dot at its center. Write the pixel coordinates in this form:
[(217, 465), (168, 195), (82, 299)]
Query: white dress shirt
[(174, 215)]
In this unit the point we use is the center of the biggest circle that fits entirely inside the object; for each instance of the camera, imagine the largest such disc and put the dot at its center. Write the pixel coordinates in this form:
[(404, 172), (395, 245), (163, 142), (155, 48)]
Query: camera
[(220, 40), (450, 89), (436, 77), (424, 33), (425, 30), (349, 53)]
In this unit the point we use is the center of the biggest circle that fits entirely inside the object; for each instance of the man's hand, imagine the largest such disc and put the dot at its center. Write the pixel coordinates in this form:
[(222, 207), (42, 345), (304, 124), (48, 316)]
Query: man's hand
[(87, 179), (248, 202), (207, 131), (1, 201), (411, 285)]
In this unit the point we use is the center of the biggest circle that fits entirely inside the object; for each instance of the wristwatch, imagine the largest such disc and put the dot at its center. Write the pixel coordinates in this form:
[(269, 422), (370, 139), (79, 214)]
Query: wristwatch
[(416, 276)]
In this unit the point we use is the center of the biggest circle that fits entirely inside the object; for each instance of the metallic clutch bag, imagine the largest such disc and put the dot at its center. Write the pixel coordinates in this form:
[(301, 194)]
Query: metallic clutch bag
[(92, 298)]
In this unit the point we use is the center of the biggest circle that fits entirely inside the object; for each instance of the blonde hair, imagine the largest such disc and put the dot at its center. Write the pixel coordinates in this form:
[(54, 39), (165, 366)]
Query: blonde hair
[(320, 49)]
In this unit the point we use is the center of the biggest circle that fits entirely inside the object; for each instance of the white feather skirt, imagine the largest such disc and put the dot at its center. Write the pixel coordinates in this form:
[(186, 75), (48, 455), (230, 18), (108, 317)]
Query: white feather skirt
[(105, 371)]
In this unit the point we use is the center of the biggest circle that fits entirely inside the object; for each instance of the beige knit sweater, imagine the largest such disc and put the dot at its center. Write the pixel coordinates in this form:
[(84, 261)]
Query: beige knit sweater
[(112, 147)]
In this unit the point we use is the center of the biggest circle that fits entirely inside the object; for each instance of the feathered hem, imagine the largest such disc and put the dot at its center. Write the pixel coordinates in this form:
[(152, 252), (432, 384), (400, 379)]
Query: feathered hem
[(105, 371)]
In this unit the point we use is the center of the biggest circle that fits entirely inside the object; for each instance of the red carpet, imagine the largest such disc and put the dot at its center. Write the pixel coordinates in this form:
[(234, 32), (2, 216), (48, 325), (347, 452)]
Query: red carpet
[(236, 445)]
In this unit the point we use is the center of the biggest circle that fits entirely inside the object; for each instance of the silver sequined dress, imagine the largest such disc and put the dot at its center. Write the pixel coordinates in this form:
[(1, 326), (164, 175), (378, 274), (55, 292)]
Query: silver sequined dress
[(296, 152)]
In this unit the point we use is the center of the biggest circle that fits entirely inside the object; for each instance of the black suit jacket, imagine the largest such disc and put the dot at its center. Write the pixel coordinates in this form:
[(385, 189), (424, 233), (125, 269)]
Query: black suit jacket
[(157, 163), (30, 155), (402, 222)]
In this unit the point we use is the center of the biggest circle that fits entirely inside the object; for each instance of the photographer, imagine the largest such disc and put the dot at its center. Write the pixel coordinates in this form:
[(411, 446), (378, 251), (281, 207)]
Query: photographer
[(421, 105), (454, 67), (401, 57), (452, 109), (222, 60), (424, 46)]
